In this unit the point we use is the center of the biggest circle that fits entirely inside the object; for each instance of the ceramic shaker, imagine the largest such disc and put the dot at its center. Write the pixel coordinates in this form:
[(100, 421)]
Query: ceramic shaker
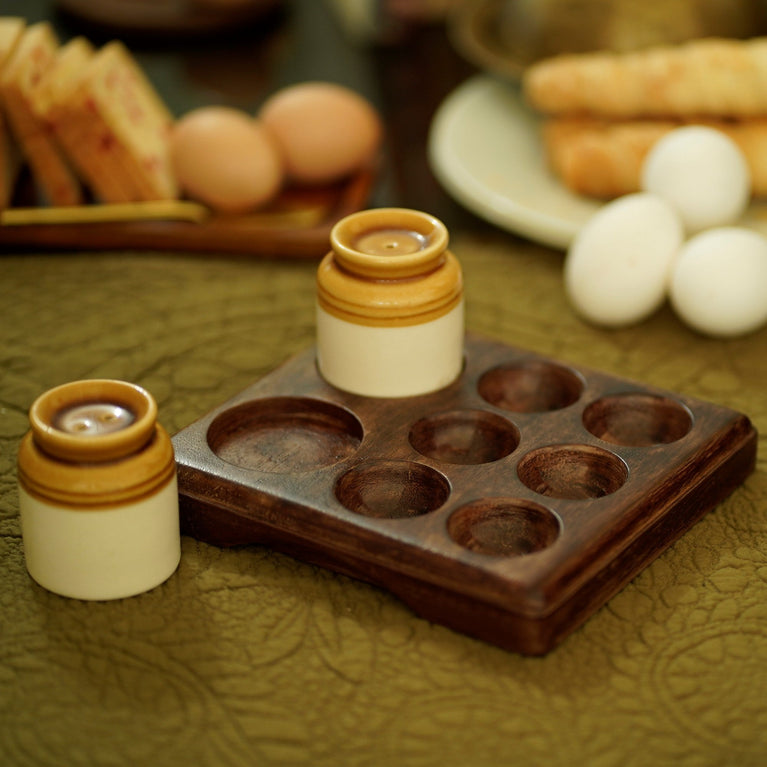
[(390, 312), (97, 492)]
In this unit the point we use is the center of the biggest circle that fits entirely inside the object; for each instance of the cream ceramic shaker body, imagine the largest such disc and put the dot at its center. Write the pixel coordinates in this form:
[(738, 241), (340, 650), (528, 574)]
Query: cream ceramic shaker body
[(97, 492), (390, 313)]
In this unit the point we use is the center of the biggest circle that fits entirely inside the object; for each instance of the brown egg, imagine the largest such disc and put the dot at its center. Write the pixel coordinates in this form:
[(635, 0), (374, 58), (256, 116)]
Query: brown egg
[(324, 131), (224, 158)]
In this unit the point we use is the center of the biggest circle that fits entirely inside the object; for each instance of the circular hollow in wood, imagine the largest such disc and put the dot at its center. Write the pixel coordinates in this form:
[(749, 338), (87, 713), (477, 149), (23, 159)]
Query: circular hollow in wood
[(637, 420), (464, 437), (503, 527), (576, 472), (285, 434), (531, 386), (392, 489)]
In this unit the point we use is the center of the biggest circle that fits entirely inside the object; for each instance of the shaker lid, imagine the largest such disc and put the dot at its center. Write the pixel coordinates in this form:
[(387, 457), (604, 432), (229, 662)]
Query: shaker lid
[(389, 243), (93, 420)]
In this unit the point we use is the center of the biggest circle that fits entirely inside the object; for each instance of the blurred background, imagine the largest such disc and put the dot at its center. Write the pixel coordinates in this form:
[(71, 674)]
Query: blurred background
[(237, 52), (405, 56)]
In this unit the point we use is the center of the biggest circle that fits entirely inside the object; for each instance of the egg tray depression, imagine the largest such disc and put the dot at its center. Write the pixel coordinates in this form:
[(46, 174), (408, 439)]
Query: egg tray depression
[(509, 506)]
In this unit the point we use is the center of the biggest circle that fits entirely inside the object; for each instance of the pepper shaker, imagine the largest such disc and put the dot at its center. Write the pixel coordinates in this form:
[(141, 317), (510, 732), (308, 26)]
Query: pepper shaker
[(390, 310), (97, 492)]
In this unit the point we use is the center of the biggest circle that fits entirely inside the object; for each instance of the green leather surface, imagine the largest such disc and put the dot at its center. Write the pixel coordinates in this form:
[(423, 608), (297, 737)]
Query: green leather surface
[(248, 657)]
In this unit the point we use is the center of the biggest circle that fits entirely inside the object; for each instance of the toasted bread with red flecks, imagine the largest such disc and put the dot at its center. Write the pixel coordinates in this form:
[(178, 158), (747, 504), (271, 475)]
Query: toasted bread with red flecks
[(128, 122), (10, 157), (34, 53), (75, 131)]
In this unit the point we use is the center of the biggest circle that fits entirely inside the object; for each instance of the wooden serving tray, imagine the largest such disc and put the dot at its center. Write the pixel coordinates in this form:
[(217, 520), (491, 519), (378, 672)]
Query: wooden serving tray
[(296, 225), (509, 506)]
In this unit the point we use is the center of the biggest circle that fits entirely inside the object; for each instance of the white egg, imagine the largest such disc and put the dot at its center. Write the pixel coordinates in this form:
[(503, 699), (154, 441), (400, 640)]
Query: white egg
[(617, 268), (702, 173), (719, 282)]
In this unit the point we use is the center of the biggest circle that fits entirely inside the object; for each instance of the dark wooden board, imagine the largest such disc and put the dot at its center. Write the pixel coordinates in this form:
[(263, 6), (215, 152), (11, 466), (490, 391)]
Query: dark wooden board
[(297, 225), (509, 506)]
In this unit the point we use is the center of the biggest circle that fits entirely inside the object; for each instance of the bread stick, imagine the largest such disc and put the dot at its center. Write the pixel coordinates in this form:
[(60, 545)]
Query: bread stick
[(711, 76), (603, 159)]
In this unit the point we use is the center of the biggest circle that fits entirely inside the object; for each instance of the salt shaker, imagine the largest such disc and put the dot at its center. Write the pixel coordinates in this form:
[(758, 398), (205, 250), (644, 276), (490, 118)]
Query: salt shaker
[(390, 310), (97, 492)]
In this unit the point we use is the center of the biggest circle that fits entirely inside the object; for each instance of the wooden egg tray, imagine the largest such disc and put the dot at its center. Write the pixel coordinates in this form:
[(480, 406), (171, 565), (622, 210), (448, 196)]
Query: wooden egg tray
[(508, 506)]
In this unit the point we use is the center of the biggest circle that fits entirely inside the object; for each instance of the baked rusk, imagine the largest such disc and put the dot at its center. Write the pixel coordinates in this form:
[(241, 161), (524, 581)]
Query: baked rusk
[(603, 158), (708, 76)]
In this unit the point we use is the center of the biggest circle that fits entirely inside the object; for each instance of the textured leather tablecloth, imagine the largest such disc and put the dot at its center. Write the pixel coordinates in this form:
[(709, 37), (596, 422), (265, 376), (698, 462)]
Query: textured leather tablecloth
[(248, 657)]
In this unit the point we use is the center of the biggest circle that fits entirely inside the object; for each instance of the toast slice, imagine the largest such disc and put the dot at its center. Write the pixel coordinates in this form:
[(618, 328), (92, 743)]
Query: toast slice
[(10, 164), (11, 28), (34, 53), (124, 119), (75, 132)]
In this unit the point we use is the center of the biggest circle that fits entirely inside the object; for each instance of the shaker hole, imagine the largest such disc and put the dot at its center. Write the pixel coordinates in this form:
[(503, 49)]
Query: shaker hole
[(530, 386), (464, 437), (504, 527), (285, 434), (389, 489), (637, 420), (575, 472)]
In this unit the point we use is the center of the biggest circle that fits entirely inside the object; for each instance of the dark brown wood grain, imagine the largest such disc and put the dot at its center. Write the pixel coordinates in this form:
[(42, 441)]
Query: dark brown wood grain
[(510, 518), (247, 235)]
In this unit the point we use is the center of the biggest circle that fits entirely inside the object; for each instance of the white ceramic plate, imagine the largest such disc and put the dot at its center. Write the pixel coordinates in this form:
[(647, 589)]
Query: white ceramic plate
[(485, 150)]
